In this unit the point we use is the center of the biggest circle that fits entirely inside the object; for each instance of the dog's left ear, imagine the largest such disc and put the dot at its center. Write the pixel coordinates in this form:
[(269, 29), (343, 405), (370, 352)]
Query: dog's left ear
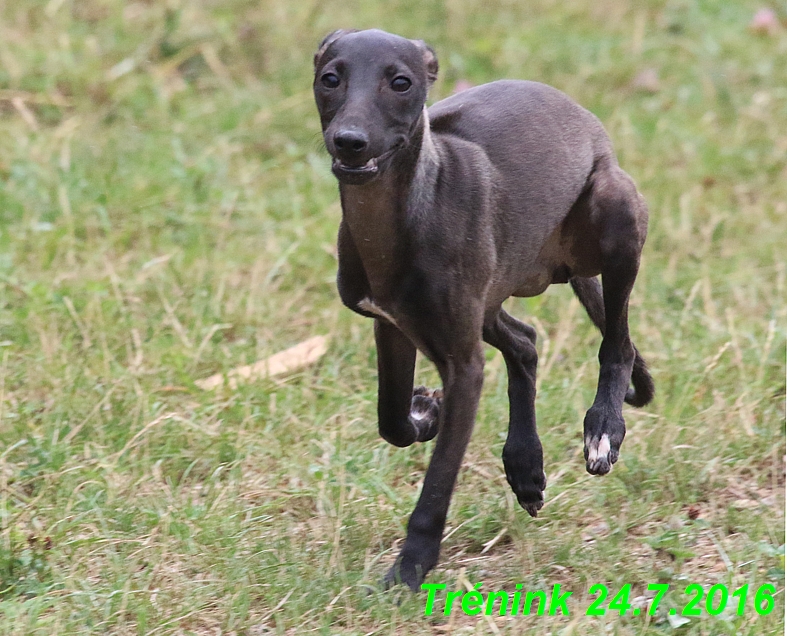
[(430, 61), (327, 41)]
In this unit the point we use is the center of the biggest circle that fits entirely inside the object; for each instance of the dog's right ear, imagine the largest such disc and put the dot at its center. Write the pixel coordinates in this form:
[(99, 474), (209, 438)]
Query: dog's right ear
[(430, 60), (327, 41)]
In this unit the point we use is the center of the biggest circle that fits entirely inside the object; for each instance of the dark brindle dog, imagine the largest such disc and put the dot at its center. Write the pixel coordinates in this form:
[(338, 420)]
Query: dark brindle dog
[(498, 191)]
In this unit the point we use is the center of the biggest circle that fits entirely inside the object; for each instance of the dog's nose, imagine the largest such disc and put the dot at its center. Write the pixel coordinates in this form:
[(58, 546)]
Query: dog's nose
[(350, 143)]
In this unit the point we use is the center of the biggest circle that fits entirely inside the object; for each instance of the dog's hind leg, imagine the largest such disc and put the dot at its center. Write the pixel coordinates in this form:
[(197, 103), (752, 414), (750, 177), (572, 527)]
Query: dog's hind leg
[(523, 457), (621, 215), (404, 415), (590, 294)]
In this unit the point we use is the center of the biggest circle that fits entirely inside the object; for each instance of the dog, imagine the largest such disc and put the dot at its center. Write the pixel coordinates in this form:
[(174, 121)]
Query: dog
[(500, 190)]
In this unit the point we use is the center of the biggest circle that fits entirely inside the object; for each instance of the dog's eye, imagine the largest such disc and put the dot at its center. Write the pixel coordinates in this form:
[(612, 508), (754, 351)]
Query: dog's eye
[(401, 84), (329, 80)]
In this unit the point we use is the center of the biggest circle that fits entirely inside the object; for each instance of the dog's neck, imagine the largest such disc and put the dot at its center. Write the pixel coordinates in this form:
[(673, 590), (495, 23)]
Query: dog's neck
[(380, 215), (424, 179)]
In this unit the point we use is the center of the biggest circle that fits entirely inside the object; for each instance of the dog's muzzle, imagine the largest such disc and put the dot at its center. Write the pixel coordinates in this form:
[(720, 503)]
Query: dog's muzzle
[(358, 175)]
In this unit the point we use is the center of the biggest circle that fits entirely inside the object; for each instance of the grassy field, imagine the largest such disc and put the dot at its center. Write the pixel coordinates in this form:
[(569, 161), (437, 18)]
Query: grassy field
[(167, 212)]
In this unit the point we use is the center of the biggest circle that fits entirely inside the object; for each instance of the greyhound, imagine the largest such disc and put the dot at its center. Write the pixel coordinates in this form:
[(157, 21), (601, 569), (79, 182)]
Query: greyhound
[(500, 190)]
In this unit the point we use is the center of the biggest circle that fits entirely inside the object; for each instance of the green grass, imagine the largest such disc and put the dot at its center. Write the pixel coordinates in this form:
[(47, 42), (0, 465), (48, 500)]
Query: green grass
[(167, 212)]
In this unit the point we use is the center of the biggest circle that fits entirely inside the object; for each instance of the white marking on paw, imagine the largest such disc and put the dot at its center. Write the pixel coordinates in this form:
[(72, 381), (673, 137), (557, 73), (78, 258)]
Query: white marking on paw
[(592, 450), (369, 305), (419, 414), (603, 446), (599, 450)]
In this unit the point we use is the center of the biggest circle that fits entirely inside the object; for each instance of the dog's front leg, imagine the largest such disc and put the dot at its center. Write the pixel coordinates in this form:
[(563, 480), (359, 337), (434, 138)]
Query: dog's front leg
[(404, 416), (463, 377)]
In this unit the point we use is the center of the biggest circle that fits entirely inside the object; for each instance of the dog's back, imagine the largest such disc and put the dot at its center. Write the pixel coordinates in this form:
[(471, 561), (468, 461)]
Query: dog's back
[(537, 136)]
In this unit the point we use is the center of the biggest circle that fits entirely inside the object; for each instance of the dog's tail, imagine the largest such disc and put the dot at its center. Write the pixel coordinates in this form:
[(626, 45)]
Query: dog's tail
[(589, 292)]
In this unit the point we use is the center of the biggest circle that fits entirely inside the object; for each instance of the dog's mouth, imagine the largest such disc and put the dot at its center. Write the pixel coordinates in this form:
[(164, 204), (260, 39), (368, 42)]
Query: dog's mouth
[(370, 167), (364, 173)]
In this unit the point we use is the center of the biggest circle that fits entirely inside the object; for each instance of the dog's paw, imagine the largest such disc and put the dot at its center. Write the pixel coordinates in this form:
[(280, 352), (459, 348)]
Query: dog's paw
[(604, 433), (403, 574), (411, 567), (599, 455), (425, 412), (525, 475)]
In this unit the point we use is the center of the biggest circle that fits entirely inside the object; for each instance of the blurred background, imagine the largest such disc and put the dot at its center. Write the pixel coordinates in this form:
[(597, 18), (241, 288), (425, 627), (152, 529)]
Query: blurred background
[(167, 212)]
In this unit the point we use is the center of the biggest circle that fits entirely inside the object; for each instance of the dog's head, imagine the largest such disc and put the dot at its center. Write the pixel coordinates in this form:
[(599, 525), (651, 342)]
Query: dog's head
[(370, 88)]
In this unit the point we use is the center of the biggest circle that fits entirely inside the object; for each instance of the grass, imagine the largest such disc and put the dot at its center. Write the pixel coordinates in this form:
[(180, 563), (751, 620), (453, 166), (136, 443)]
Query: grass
[(166, 212)]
